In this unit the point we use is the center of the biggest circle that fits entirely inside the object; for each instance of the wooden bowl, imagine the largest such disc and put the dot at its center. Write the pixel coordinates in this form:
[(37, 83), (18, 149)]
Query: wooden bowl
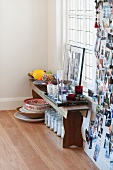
[(30, 114)]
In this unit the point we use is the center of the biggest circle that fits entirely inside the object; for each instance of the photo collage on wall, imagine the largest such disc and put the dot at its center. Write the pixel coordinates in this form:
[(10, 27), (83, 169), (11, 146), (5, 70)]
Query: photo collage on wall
[(99, 136)]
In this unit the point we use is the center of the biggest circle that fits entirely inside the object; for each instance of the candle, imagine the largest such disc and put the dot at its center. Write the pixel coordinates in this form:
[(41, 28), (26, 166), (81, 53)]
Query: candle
[(58, 74), (61, 74)]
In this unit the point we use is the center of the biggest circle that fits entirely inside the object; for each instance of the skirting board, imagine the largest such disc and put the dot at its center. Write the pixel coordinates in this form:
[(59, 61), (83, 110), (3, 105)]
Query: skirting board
[(11, 103)]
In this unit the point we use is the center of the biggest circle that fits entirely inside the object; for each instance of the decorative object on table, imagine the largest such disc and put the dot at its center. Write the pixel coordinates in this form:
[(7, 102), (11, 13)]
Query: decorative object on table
[(90, 93), (71, 100), (37, 74), (34, 104), (50, 89), (48, 77), (95, 98), (66, 62), (76, 64), (70, 97), (78, 89), (41, 75)]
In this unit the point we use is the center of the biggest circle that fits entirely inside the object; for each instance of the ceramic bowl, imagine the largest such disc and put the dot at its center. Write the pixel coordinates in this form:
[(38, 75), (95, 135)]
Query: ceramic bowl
[(30, 114), (36, 104)]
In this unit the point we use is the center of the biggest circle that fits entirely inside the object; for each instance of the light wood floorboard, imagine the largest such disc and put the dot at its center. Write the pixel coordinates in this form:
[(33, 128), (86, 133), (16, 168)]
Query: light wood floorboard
[(33, 146)]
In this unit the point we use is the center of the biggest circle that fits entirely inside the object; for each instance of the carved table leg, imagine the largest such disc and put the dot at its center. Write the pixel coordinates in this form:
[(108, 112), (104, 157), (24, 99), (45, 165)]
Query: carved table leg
[(72, 126)]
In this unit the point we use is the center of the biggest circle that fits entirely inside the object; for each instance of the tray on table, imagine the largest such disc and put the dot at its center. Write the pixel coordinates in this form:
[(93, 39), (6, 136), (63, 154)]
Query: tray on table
[(66, 103)]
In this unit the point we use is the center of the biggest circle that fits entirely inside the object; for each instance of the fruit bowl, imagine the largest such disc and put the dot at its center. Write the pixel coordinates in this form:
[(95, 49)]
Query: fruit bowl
[(33, 104)]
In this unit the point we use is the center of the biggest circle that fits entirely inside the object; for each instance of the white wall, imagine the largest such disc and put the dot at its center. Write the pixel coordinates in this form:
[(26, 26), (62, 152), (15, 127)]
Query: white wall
[(23, 47), (54, 35)]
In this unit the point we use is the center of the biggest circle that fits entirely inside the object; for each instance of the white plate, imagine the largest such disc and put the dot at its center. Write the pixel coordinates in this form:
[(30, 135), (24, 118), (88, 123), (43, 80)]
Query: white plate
[(36, 82), (21, 117), (23, 109)]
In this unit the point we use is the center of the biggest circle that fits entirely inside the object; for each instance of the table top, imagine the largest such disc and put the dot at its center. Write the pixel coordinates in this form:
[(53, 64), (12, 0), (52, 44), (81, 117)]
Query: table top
[(64, 110)]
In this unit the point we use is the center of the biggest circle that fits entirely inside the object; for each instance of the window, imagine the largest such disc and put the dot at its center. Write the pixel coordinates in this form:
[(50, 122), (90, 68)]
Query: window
[(80, 28)]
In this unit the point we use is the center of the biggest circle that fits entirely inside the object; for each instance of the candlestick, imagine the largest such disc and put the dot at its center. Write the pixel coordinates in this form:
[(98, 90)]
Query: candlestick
[(58, 74), (61, 75)]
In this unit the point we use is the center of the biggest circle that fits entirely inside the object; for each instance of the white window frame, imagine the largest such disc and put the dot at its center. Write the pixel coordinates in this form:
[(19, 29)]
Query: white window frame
[(66, 23)]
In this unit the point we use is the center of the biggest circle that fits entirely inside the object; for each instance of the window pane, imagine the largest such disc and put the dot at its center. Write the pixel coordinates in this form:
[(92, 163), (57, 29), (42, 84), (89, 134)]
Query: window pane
[(80, 6), (88, 6), (72, 5), (80, 29)]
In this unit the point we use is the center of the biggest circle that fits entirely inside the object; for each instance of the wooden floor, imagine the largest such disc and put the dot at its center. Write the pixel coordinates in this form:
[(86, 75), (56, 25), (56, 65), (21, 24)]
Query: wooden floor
[(33, 146)]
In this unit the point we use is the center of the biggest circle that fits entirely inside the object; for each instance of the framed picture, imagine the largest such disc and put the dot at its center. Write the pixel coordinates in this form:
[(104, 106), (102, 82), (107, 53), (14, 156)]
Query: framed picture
[(76, 64), (66, 61)]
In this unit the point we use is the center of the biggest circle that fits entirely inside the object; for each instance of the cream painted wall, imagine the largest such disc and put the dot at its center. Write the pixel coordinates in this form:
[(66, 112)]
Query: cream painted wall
[(23, 47), (54, 35)]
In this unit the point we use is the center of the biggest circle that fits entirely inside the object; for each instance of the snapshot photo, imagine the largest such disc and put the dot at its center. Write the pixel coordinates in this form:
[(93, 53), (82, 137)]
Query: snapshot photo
[(100, 63), (108, 58), (106, 10), (102, 48), (109, 41), (97, 44)]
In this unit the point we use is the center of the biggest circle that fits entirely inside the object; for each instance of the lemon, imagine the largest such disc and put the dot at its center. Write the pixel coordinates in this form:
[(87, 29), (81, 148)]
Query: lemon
[(37, 74)]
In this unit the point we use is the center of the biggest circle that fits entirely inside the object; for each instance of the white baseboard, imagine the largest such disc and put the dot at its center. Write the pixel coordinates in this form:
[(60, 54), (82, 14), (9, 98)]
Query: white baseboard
[(11, 103)]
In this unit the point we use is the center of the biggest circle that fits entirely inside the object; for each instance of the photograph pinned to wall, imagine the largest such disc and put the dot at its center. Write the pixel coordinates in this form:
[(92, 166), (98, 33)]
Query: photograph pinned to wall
[(105, 85), (97, 55), (110, 1), (109, 41), (100, 89), (102, 48), (110, 31), (96, 152), (107, 147), (111, 88), (111, 23), (108, 98), (76, 64), (112, 58), (97, 74), (109, 72), (95, 98), (106, 10), (67, 56), (97, 44), (108, 58), (108, 118), (99, 63), (99, 33), (105, 23), (101, 100), (102, 75), (111, 98), (104, 35)]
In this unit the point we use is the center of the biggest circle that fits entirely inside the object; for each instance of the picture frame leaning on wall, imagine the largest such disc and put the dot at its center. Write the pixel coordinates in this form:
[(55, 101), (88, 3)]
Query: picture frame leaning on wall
[(66, 62), (76, 64)]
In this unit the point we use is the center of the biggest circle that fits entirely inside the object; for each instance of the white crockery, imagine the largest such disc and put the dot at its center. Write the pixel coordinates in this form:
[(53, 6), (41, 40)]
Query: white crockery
[(35, 105)]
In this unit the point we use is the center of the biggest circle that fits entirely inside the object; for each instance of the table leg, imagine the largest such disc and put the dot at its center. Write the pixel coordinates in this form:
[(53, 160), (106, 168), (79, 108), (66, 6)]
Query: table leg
[(35, 95), (72, 126)]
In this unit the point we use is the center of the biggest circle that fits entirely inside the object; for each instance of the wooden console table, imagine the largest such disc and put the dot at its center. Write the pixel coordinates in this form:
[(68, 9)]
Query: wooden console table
[(72, 119)]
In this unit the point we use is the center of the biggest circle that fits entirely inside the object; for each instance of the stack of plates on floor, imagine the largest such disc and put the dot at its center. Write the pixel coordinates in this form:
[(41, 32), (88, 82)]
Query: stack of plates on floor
[(33, 110)]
